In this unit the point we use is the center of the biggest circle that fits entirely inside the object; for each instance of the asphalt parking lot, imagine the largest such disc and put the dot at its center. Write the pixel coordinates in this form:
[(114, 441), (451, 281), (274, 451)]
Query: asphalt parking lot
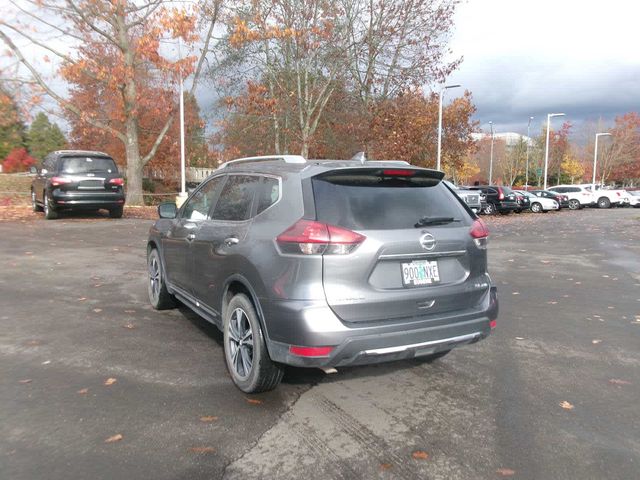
[(95, 384)]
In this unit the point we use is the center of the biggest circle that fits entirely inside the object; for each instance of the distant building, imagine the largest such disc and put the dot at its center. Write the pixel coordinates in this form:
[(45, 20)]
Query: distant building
[(510, 139)]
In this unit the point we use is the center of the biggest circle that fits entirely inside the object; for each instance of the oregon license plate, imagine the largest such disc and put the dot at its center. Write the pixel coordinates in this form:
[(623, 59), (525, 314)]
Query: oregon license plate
[(420, 272)]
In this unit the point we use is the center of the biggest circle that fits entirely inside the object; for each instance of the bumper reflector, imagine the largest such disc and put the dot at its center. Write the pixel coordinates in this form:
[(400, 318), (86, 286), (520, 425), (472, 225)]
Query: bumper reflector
[(310, 351), (493, 324)]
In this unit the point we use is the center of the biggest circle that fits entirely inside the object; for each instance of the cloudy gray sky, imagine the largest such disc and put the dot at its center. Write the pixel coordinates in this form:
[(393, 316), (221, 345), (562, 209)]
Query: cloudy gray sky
[(524, 58)]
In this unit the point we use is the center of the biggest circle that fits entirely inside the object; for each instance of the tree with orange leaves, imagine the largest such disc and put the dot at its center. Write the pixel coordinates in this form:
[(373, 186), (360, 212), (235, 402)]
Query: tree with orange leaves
[(116, 41)]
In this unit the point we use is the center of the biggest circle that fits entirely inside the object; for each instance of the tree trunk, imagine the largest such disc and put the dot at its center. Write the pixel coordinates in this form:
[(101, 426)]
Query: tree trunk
[(134, 165)]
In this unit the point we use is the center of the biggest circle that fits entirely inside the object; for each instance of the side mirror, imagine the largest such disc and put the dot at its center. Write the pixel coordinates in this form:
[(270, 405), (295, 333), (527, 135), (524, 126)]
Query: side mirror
[(167, 210), (33, 170)]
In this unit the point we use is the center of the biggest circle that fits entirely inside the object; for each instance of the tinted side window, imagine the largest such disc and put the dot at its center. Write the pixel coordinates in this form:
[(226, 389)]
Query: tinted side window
[(268, 194), (236, 198), (198, 206), (574, 189), (558, 189)]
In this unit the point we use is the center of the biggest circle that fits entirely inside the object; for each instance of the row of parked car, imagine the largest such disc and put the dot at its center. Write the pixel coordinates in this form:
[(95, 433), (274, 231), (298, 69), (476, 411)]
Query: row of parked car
[(491, 199)]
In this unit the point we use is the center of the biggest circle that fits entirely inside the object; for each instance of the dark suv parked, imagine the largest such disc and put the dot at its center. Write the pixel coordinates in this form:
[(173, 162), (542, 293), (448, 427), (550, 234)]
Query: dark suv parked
[(77, 180), (324, 264), (499, 199)]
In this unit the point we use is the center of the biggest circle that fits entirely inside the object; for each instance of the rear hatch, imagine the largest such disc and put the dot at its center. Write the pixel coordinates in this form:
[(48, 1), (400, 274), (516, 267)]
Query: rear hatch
[(418, 257), (89, 175)]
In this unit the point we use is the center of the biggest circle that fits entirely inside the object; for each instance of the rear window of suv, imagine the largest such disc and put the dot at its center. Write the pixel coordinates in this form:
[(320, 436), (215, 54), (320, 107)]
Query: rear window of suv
[(88, 165), (371, 200)]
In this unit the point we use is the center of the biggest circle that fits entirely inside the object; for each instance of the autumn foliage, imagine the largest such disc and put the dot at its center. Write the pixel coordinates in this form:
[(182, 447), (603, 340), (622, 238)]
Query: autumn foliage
[(18, 160)]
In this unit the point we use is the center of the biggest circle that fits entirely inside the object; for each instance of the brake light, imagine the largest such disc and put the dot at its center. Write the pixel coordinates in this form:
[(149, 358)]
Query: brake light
[(493, 324), (310, 237), (479, 232), (399, 172), (116, 181), (500, 194), (310, 351), (55, 181)]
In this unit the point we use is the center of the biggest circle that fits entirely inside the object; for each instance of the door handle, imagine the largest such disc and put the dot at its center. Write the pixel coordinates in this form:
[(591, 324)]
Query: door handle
[(191, 236), (231, 241)]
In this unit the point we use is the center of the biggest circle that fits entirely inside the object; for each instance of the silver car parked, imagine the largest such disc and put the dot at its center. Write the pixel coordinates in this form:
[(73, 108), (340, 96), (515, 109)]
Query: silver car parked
[(324, 264)]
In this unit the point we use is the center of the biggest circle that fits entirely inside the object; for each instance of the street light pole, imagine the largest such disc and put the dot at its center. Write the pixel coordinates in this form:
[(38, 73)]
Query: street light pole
[(491, 156), (183, 191), (546, 153), (440, 123), (526, 179), (595, 160)]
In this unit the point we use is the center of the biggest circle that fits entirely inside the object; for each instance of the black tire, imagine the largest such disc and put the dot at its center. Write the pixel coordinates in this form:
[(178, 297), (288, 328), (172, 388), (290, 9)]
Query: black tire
[(505, 212), (159, 296), (490, 209), (49, 212), (536, 207), (245, 350), (116, 212), (604, 202), (34, 203), (574, 204)]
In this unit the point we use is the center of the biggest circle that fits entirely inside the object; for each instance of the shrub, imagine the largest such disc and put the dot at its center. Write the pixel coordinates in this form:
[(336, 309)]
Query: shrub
[(18, 160)]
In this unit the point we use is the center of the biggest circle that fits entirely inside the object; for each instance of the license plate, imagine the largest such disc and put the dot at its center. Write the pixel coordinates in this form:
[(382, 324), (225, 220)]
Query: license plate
[(420, 272)]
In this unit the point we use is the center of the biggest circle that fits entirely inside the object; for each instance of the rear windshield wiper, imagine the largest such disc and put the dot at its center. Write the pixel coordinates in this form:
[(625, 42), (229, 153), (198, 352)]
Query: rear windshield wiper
[(424, 221)]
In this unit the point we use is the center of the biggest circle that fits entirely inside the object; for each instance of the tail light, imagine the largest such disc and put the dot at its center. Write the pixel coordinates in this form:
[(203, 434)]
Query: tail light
[(309, 237), (500, 194), (116, 181), (398, 173), (310, 351), (479, 232), (618, 193), (56, 181)]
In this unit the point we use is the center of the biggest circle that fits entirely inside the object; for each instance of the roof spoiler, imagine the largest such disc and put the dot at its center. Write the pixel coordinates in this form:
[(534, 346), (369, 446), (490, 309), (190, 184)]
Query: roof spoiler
[(266, 158)]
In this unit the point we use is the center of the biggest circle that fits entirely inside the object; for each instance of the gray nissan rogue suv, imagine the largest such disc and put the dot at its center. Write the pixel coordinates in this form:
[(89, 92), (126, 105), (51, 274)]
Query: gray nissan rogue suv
[(324, 264)]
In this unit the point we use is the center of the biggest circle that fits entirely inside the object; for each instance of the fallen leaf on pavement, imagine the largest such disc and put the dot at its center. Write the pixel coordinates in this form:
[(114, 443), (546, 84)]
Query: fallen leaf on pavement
[(208, 419), (254, 401), (129, 311), (83, 391), (519, 338), (110, 381), (505, 472), (202, 449), (26, 380), (515, 293), (385, 466), (596, 341), (566, 405), (617, 381), (46, 362), (82, 299), (420, 455), (97, 310), (115, 438), (130, 326)]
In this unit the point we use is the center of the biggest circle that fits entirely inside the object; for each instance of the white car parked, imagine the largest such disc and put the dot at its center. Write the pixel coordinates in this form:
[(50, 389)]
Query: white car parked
[(539, 204), (634, 198), (607, 197), (579, 196)]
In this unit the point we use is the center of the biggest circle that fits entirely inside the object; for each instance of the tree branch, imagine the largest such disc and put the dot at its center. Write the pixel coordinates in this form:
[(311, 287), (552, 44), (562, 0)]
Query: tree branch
[(64, 103)]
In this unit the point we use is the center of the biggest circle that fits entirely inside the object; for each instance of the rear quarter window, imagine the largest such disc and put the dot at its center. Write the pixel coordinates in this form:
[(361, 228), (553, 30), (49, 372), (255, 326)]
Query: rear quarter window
[(370, 202)]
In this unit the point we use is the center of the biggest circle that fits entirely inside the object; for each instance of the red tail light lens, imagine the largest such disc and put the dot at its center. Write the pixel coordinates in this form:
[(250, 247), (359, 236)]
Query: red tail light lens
[(56, 181), (116, 181), (479, 232), (500, 194), (310, 351), (309, 237)]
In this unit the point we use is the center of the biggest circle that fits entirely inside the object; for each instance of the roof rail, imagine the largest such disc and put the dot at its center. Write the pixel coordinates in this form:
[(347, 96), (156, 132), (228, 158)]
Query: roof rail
[(266, 158)]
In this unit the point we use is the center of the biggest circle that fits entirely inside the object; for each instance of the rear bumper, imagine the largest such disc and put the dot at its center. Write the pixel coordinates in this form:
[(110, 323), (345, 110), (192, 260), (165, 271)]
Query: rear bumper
[(314, 324), (507, 206), (63, 199)]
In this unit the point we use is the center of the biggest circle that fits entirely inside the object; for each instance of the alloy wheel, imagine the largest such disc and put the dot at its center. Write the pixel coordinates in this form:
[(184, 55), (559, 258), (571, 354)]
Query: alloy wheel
[(240, 343), (155, 277)]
